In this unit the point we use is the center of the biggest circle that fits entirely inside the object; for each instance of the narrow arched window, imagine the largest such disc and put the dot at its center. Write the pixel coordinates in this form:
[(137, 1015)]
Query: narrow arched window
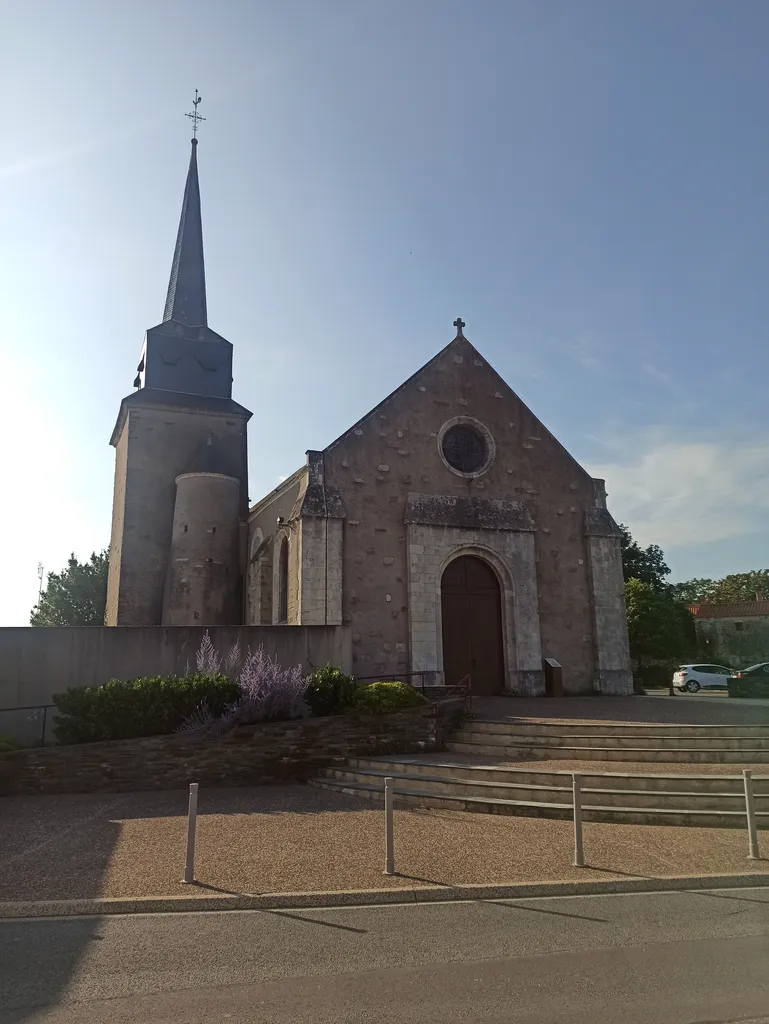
[(283, 581)]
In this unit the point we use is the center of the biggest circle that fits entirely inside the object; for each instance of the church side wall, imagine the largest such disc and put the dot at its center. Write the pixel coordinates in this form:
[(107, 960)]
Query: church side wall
[(263, 529), (394, 451)]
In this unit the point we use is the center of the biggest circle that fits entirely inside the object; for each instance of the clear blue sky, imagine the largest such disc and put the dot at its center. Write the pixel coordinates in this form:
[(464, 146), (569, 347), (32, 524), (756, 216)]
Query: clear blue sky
[(583, 181)]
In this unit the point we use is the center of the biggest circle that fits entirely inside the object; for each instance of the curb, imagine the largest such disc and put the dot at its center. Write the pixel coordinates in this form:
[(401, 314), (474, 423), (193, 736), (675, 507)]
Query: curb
[(369, 897)]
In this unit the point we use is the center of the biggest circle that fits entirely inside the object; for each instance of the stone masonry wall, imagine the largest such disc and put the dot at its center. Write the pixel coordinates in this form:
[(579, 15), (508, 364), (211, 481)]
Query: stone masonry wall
[(725, 642), (394, 451), (512, 554), (278, 752), (613, 672), (264, 522), (156, 445), (320, 578)]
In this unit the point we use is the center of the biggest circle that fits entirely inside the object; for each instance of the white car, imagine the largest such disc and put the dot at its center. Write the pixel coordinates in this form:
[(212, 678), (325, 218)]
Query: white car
[(701, 677)]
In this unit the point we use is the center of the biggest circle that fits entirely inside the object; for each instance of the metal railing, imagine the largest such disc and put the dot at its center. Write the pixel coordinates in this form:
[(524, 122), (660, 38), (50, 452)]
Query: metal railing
[(427, 680), (29, 725)]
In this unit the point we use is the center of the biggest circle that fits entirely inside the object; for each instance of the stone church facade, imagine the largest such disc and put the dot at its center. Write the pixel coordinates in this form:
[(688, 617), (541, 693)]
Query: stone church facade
[(448, 528)]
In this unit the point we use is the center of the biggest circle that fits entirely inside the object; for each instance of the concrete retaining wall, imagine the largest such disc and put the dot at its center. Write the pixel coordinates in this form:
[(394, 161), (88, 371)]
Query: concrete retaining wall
[(37, 663)]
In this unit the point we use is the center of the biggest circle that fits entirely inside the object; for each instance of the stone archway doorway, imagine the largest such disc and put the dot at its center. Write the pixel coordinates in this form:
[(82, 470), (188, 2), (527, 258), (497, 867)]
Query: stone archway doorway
[(471, 612)]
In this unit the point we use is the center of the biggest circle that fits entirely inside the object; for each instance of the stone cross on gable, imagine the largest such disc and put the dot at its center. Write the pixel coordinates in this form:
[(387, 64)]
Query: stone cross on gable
[(459, 324)]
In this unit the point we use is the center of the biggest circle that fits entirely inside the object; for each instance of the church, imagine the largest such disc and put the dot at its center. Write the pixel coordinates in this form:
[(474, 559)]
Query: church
[(447, 529)]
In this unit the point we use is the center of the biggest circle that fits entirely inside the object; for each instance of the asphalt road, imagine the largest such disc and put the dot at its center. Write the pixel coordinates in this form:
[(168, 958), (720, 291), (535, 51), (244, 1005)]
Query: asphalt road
[(668, 958)]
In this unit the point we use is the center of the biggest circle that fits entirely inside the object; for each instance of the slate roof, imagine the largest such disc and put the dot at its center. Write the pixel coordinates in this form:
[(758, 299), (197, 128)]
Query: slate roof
[(186, 298)]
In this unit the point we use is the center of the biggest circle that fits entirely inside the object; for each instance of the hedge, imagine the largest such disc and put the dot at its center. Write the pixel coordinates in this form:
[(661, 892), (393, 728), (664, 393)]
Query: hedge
[(124, 709)]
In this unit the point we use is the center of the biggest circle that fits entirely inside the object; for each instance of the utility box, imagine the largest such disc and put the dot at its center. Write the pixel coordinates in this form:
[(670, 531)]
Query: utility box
[(553, 678)]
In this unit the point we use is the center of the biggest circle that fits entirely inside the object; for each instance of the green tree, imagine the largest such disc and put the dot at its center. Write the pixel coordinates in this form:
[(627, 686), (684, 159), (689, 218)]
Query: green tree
[(76, 596), (691, 591), (741, 586), (659, 627), (645, 564)]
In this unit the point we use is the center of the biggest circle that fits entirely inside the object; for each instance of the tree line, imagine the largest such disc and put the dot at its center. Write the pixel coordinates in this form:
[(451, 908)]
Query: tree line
[(660, 625)]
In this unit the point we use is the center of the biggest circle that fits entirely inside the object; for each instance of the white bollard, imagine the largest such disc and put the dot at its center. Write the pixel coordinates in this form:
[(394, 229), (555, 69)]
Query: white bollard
[(389, 851), (750, 808), (192, 817), (579, 853)]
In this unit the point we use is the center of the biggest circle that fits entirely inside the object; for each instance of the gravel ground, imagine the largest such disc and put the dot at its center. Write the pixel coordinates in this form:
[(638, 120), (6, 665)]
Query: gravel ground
[(295, 838), (653, 709)]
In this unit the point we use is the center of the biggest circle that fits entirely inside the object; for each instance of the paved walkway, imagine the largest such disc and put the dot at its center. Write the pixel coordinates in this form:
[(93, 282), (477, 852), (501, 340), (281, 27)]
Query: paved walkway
[(295, 838), (653, 709)]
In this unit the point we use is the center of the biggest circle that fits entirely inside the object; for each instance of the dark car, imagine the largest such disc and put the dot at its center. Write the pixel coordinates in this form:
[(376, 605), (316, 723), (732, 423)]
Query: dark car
[(762, 669), (750, 682)]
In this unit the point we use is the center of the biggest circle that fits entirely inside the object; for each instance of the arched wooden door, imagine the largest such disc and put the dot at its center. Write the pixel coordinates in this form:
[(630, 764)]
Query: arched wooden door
[(471, 609)]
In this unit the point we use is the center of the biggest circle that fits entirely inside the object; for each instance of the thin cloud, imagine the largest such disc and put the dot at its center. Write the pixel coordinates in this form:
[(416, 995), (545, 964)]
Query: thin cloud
[(589, 353), (684, 493), (657, 374)]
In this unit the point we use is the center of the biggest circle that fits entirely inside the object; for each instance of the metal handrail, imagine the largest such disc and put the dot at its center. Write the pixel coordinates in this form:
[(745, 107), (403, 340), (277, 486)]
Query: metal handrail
[(34, 707)]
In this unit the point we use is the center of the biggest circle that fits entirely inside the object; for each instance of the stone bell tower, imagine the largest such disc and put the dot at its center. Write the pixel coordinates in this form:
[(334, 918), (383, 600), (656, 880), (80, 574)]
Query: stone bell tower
[(181, 493)]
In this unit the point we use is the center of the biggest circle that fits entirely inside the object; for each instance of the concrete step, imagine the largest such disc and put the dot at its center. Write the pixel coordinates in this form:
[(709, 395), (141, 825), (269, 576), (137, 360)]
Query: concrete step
[(549, 792), (541, 808), (527, 752), (443, 767), (566, 729), (471, 733)]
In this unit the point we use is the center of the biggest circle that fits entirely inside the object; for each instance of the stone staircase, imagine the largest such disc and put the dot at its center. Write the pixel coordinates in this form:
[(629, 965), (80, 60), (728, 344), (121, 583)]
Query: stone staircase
[(474, 773), (690, 744), (440, 781)]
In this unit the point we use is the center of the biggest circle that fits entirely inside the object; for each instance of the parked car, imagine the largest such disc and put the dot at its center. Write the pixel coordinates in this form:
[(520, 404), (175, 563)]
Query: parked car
[(701, 677), (760, 670), (751, 682)]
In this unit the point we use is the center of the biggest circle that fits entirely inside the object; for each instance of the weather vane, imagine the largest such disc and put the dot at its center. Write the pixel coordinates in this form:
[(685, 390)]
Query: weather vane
[(195, 116)]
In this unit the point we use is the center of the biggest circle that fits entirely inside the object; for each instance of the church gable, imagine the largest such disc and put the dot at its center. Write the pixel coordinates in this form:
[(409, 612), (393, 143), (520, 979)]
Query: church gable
[(459, 428), (453, 461)]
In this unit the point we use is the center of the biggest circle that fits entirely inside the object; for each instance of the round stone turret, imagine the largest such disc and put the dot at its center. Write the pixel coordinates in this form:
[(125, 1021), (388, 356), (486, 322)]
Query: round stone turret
[(203, 580)]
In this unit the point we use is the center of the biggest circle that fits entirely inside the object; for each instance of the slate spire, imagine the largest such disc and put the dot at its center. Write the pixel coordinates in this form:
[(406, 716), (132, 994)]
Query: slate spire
[(186, 299)]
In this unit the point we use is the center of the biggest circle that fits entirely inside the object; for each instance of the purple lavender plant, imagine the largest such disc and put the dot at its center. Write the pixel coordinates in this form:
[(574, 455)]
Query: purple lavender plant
[(201, 720), (231, 666), (207, 659), (268, 691)]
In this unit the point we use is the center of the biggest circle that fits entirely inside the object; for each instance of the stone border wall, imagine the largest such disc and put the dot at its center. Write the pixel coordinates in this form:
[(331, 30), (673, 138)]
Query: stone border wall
[(250, 755)]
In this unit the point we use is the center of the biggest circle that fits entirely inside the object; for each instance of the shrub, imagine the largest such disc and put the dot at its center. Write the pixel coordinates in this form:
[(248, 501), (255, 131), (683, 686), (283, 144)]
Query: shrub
[(329, 691), (378, 698), (139, 707), (6, 745)]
